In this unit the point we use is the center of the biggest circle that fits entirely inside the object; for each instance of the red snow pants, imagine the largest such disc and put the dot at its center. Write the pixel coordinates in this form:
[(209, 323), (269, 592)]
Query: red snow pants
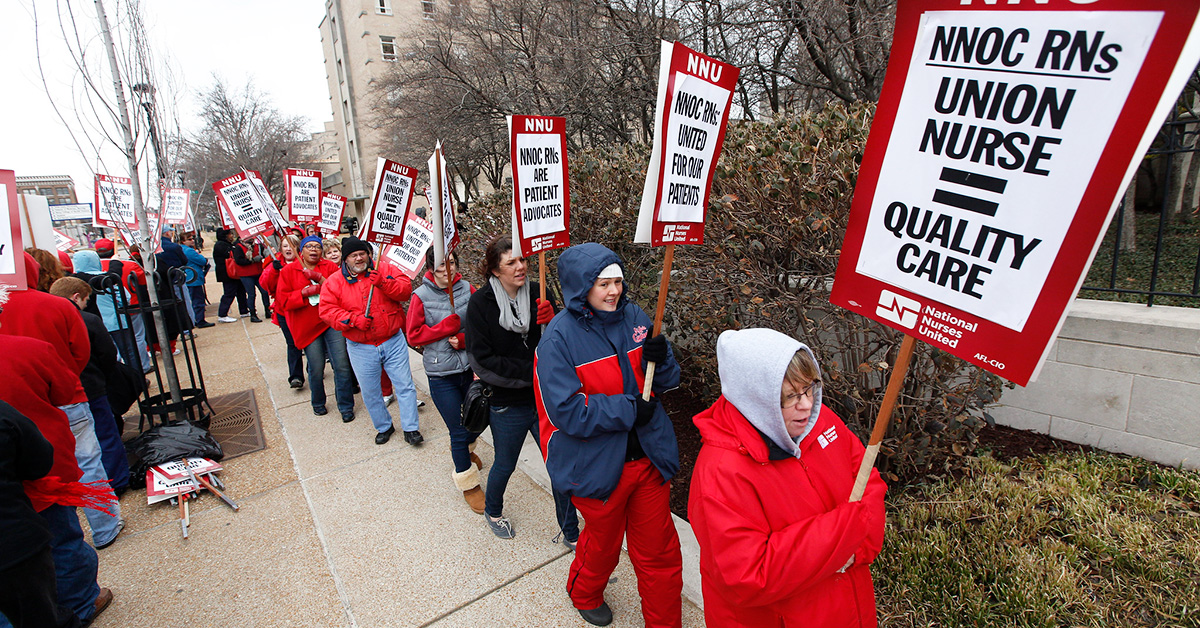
[(640, 510)]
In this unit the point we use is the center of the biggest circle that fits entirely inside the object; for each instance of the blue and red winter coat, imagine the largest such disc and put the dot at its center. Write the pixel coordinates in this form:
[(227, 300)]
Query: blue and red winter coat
[(588, 369)]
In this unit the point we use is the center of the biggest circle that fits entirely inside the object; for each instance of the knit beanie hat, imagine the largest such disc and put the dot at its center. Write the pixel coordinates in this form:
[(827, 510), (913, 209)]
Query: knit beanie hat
[(351, 244)]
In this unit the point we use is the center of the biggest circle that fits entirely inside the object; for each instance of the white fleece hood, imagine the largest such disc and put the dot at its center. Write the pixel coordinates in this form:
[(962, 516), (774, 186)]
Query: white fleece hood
[(752, 364)]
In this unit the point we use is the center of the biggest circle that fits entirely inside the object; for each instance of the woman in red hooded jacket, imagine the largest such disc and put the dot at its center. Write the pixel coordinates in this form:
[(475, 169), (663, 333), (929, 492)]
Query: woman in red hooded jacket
[(780, 542), (289, 251)]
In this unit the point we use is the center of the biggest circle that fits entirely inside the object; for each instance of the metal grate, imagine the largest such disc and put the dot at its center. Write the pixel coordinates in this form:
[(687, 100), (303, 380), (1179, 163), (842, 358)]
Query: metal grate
[(236, 423)]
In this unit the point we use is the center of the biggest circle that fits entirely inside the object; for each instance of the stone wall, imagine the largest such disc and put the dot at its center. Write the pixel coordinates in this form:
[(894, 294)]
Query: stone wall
[(1121, 377)]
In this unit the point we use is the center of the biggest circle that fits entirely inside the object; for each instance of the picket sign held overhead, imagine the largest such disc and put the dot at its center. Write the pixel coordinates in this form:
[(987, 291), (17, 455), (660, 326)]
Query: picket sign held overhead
[(694, 94), (114, 202), (264, 196), (409, 256), (1003, 138), (12, 247), (332, 208), (175, 205), (441, 207), (303, 194), (64, 242), (541, 200), (394, 183), (239, 200)]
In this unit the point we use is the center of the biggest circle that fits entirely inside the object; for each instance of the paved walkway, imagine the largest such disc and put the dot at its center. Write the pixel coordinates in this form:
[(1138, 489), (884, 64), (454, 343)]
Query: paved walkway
[(337, 531)]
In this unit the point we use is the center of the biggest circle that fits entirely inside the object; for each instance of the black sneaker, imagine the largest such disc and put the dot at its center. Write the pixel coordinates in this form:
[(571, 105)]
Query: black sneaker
[(255, 319), (203, 324), (295, 383), (384, 437), (346, 418), (599, 616), (414, 438), (321, 411)]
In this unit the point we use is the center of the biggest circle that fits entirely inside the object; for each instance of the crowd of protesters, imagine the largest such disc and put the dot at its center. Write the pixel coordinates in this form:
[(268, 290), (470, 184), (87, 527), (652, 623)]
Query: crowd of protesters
[(780, 543)]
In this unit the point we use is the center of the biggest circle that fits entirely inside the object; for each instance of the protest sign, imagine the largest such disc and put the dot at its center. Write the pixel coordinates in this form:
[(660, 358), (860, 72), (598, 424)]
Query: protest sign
[(71, 211), (1002, 139), (175, 205), (409, 256), (264, 196), (541, 197), (114, 201), (303, 194), (332, 208), (64, 242), (241, 202), (394, 184), (36, 228), (12, 258), (694, 94), (441, 207)]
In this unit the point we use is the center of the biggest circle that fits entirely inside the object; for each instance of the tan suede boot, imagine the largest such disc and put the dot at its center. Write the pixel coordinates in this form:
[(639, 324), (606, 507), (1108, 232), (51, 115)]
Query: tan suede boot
[(468, 483), (474, 457)]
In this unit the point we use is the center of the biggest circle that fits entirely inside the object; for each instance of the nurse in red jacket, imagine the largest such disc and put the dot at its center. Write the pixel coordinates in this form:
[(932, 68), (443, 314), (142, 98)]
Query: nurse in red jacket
[(780, 544)]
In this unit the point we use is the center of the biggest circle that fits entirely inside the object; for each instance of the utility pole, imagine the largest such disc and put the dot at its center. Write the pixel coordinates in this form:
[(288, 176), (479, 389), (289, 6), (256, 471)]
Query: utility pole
[(139, 210)]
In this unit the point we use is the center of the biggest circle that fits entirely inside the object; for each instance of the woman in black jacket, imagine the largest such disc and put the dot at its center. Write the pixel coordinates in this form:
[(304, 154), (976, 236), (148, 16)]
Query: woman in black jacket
[(500, 345), (232, 286)]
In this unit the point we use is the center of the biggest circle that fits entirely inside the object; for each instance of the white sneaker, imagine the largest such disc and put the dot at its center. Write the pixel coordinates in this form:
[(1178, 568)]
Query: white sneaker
[(246, 314), (389, 399), (227, 319), (176, 351)]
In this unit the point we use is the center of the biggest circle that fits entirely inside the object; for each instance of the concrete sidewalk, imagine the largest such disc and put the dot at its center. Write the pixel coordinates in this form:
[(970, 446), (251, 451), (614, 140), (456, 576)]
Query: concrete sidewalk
[(337, 531)]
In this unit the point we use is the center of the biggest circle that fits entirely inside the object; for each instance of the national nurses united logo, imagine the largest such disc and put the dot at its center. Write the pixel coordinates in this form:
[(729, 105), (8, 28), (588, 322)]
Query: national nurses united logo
[(827, 437), (639, 333), (898, 308)]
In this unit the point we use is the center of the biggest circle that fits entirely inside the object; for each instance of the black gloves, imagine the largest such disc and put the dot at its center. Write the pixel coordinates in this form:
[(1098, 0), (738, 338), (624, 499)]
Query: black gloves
[(276, 264), (655, 349), (645, 409)]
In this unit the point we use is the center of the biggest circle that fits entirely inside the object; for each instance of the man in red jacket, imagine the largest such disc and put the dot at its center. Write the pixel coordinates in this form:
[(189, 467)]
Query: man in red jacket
[(297, 295), (364, 303)]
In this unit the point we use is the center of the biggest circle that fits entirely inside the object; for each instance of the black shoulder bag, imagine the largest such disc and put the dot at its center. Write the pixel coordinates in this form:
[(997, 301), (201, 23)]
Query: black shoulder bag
[(476, 408)]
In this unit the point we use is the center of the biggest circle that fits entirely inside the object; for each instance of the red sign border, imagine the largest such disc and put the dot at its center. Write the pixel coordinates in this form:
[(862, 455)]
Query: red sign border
[(16, 281), (266, 227), (341, 213), (557, 239), (288, 173), (370, 235), (96, 219)]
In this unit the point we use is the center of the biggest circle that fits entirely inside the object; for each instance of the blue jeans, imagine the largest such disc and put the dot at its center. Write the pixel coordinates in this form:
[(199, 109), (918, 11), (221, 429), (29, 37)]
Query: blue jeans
[(391, 356), (196, 301), (448, 392), (295, 357), (139, 333), (509, 426), (88, 454), (330, 343), (250, 284), (126, 346), (75, 563), (112, 450)]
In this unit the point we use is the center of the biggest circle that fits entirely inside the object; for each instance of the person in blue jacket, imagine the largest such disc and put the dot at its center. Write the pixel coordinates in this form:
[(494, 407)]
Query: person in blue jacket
[(197, 271), (606, 447)]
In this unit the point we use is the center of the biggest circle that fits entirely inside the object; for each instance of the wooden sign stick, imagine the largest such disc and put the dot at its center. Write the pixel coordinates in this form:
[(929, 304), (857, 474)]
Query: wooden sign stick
[(542, 272), (668, 258), (895, 382)]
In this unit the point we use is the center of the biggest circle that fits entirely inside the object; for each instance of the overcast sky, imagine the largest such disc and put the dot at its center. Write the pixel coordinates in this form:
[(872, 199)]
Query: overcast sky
[(274, 43)]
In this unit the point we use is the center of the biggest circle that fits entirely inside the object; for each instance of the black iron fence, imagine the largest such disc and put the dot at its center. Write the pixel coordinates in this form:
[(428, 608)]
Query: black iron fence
[(1152, 249)]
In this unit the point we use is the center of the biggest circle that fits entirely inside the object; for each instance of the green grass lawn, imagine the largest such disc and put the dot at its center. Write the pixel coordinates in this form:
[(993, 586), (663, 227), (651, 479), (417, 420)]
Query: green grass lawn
[(1177, 266), (1081, 539)]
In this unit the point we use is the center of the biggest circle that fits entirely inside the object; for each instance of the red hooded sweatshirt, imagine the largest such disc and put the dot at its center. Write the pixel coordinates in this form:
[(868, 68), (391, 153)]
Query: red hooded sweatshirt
[(344, 302), (51, 319)]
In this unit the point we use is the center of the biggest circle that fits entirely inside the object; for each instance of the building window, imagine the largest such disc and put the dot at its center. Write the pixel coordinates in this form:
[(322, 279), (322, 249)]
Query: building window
[(427, 7), (341, 73), (60, 191), (388, 46), (333, 28), (383, 7)]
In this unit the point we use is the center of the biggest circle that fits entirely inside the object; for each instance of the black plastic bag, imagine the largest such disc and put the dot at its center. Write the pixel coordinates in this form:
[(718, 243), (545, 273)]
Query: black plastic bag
[(165, 443)]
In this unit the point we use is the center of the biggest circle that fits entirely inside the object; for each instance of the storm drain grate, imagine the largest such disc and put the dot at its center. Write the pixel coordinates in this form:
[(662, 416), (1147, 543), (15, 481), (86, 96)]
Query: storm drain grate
[(236, 424)]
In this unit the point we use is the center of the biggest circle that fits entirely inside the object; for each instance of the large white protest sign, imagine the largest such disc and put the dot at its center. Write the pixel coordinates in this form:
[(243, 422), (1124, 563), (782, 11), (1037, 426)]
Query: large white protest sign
[(241, 203), (441, 206), (394, 184), (997, 152), (303, 194), (264, 196), (409, 256), (694, 94), (12, 258), (541, 197), (332, 208), (114, 201), (175, 205)]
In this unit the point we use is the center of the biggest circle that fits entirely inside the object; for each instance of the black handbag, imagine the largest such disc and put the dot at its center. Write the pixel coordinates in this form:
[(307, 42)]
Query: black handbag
[(476, 408)]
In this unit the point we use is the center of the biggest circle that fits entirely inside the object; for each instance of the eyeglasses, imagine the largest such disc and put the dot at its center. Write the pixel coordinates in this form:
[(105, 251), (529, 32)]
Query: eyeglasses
[(794, 398)]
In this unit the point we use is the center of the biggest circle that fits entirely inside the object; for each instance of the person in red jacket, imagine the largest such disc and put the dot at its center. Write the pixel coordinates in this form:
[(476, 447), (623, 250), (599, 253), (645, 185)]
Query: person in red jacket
[(298, 293), (780, 542), (289, 247), (364, 303)]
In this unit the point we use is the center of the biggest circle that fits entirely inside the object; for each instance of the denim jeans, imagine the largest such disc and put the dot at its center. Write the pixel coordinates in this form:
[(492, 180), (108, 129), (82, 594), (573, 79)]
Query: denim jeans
[(75, 563), (139, 334), (112, 450), (88, 454), (509, 426), (391, 356), (232, 289), (330, 343), (448, 392), (295, 357), (126, 346), (250, 284)]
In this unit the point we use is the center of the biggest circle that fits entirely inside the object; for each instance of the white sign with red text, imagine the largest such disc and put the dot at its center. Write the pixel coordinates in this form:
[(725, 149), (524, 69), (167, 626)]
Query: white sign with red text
[(332, 208), (394, 183), (409, 256), (12, 257), (303, 194), (114, 202), (541, 197), (64, 242), (244, 210), (441, 206), (175, 205)]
